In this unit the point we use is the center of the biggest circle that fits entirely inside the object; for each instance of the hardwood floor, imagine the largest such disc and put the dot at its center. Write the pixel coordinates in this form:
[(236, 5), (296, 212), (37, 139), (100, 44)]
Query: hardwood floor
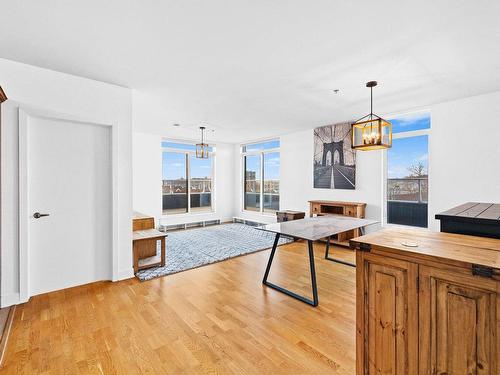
[(217, 319)]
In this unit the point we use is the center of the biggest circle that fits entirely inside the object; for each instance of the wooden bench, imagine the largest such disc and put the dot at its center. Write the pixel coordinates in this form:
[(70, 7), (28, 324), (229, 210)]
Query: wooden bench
[(145, 239), (145, 242)]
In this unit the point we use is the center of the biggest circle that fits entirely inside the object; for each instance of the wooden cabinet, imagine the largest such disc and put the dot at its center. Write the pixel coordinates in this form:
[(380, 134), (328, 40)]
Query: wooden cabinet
[(433, 309), (352, 209)]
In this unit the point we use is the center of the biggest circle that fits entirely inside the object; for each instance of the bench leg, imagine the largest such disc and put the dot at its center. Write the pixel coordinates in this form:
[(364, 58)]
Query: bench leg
[(136, 258), (162, 249)]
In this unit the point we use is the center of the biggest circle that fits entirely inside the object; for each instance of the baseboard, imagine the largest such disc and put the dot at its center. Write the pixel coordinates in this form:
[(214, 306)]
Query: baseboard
[(5, 334), (10, 299), (124, 274)]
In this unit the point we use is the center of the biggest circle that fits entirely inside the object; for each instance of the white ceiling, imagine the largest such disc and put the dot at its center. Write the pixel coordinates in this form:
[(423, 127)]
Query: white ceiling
[(254, 69)]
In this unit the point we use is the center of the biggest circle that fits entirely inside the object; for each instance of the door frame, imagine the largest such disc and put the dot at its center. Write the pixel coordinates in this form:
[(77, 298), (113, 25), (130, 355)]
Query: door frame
[(25, 113)]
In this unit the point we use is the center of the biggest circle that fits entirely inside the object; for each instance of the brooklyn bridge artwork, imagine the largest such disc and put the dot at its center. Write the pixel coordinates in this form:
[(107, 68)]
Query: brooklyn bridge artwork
[(334, 160)]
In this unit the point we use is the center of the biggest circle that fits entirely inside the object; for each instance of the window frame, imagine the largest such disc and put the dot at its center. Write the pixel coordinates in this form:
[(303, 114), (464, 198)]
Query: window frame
[(260, 153), (403, 135), (187, 154)]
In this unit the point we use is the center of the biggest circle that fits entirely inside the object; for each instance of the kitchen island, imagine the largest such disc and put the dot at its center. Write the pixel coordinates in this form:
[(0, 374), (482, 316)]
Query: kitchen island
[(427, 303)]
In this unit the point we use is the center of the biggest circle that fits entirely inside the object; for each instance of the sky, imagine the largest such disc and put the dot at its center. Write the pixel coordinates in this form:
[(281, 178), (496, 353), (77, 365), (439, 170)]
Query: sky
[(411, 121), (174, 166), (271, 165), (408, 151)]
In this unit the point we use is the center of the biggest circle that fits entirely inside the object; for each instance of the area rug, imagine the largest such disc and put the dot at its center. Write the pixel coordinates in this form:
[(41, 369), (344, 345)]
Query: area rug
[(187, 249)]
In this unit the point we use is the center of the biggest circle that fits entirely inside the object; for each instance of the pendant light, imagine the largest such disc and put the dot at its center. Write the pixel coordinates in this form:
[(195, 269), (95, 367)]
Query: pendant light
[(371, 132), (202, 148)]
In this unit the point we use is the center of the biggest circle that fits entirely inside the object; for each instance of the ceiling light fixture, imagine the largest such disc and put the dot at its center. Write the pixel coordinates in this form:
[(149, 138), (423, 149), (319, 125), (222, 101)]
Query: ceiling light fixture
[(202, 148), (371, 132)]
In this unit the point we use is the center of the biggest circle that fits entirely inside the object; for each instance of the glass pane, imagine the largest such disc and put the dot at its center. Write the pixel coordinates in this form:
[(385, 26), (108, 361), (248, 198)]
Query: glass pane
[(271, 182), (252, 182), (267, 145), (201, 184), (174, 183), (411, 121), (407, 182)]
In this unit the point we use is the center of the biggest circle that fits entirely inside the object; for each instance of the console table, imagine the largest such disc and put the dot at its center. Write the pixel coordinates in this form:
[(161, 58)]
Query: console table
[(350, 209)]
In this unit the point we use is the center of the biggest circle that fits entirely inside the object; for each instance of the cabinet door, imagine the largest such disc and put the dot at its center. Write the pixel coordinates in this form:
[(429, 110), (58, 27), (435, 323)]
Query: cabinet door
[(458, 323), (389, 317)]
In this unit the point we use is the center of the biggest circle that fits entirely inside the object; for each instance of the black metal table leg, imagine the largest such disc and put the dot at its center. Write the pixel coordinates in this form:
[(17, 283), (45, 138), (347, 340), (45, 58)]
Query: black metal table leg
[(314, 301), (327, 252)]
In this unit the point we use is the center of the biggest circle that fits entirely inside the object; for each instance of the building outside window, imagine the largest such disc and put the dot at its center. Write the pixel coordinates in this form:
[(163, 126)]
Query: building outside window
[(407, 176), (187, 184), (261, 185)]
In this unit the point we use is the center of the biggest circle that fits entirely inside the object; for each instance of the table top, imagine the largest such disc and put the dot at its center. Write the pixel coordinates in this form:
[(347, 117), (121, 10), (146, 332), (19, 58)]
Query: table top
[(458, 247), (147, 234), (473, 212), (315, 228)]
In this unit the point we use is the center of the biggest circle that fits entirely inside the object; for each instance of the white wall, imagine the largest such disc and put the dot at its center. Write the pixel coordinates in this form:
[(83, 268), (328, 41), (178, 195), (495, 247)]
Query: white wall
[(463, 164), (83, 98), (464, 153), (147, 181)]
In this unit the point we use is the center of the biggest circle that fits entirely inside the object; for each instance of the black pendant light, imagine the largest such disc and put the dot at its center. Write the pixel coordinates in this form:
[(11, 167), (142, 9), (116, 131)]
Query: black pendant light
[(371, 132)]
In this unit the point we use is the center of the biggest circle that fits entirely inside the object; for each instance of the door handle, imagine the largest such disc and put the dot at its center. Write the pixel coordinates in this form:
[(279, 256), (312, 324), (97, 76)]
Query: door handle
[(38, 215)]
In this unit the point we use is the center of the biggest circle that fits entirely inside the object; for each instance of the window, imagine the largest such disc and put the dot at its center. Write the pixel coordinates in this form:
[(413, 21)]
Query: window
[(407, 183), (187, 181), (261, 176)]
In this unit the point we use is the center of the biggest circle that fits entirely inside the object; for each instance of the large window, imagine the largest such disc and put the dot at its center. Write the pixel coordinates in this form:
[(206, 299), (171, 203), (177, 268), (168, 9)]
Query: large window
[(261, 163), (407, 183), (187, 180)]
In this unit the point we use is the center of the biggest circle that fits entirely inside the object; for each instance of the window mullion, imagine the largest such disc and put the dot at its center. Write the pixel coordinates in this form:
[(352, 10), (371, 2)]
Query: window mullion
[(261, 182), (188, 178)]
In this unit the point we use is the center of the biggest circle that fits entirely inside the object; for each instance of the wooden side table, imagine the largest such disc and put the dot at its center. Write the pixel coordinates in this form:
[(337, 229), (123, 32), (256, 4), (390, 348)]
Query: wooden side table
[(288, 215), (144, 246)]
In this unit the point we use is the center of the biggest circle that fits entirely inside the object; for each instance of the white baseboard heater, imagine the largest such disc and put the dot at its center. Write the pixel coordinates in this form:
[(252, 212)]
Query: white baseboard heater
[(252, 223), (192, 224)]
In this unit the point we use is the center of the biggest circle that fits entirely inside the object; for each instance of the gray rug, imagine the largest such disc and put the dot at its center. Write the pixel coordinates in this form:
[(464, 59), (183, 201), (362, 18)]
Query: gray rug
[(193, 248)]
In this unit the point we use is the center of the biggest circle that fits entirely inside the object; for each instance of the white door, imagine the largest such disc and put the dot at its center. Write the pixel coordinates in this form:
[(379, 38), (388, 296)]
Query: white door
[(68, 178)]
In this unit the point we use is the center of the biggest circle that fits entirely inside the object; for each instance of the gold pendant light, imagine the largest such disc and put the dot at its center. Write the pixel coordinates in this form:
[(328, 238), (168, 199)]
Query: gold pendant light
[(371, 132), (202, 148)]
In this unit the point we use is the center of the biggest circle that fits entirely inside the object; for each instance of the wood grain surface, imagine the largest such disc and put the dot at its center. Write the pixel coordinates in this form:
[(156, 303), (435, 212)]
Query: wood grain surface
[(217, 319)]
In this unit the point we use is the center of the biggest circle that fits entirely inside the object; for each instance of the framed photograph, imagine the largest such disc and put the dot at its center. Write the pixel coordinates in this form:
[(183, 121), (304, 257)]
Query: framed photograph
[(334, 159)]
